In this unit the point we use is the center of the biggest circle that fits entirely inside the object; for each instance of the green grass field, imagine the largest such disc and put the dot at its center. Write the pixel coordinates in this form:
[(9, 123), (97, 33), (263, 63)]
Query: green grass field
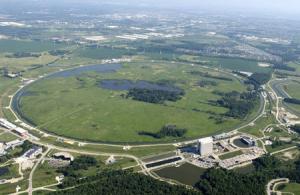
[(228, 63), (291, 188), (230, 155), (12, 172), (293, 89), (11, 46), (7, 137), (101, 53), (81, 109)]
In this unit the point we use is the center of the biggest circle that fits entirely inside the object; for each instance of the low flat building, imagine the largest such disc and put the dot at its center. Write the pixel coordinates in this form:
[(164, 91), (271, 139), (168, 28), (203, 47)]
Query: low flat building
[(13, 144), (33, 152), (21, 131), (6, 124)]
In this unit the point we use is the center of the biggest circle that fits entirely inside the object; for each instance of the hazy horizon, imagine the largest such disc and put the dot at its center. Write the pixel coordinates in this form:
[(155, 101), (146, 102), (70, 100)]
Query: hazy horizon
[(280, 8)]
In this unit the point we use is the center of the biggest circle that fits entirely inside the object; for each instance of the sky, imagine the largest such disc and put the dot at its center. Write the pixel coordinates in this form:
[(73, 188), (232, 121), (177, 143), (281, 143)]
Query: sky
[(279, 6), (275, 7)]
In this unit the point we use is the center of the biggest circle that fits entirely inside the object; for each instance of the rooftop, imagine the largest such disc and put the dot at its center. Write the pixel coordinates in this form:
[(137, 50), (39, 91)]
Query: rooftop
[(206, 140)]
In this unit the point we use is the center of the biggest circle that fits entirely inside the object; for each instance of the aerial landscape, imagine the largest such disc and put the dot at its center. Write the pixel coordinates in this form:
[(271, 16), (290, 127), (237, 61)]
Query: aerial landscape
[(149, 97)]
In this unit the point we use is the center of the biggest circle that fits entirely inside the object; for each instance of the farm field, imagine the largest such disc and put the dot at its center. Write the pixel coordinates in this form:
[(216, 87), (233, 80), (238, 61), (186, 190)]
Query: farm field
[(77, 106)]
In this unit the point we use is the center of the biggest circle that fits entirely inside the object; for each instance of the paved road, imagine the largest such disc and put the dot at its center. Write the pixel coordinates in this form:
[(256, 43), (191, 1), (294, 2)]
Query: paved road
[(271, 186), (34, 168), (139, 161), (276, 85), (277, 102), (261, 112)]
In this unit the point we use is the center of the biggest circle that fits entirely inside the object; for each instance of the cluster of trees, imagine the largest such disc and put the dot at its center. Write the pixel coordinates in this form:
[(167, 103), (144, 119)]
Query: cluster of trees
[(239, 104), (166, 131), (79, 163), (285, 74), (59, 52), (204, 83), (283, 67), (23, 55), (291, 100), (288, 52), (154, 96), (120, 182), (207, 75), (258, 79), (221, 181), (212, 182)]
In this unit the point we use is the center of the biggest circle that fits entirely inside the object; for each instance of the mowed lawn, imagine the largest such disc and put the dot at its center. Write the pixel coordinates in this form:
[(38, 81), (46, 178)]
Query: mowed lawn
[(290, 188), (293, 89), (79, 108)]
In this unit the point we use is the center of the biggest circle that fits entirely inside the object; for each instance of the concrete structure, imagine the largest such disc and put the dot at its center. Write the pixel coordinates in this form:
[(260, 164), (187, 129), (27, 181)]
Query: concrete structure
[(205, 146), (248, 140)]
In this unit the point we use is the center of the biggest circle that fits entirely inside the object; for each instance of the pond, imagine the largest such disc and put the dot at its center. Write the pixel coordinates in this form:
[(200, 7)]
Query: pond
[(140, 84), (238, 142), (3, 171), (187, 173), (99, 68)]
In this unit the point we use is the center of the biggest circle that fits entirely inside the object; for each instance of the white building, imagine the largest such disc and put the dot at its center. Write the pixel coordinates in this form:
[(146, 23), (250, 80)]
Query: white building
[(6, 124), (205, 146), (21, 131), (13, 144)]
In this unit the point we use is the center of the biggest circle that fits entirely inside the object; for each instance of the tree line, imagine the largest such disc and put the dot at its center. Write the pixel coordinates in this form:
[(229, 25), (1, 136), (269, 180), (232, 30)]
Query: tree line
[(214, 181), (291, 100), (155, 96), (239, 104), (166, 131)]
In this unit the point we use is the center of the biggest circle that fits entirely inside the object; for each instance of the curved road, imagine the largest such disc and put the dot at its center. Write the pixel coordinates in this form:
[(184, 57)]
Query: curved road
[(260, 113)]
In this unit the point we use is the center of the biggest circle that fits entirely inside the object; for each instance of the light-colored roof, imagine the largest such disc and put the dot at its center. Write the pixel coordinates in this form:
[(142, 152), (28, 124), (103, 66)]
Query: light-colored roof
[(206, 140), (20, 130)]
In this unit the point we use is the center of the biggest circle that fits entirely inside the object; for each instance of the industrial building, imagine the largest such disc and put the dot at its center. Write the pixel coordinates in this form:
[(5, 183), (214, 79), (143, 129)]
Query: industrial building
[(21, 131), (248, 140), (205, 146), (13, 144), (8, 125), (33, 152)]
